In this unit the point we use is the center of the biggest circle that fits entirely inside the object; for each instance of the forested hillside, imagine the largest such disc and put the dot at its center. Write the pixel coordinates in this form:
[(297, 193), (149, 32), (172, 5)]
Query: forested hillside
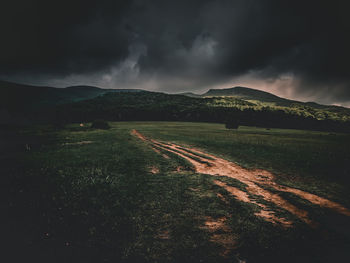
[(164, 107), (22, 104)]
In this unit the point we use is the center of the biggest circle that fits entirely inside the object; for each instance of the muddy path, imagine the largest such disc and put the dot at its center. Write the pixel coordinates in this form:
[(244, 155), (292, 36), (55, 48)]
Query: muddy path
[(256, 182)]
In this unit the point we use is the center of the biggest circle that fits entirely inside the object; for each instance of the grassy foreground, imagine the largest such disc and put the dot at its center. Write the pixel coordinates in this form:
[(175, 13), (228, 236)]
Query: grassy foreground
[(82, 195)]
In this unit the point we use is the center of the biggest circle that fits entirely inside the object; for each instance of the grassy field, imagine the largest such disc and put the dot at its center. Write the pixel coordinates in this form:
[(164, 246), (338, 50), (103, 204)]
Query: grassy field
[(83, 195), (317, 161)]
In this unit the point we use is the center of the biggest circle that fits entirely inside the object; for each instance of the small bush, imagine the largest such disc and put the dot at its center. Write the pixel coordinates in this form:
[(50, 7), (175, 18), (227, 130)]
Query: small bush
[(100, 124), (233, 124)]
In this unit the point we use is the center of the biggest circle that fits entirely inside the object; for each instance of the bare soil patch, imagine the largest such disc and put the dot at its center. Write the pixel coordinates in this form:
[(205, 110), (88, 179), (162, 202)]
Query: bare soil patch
[(221, 234), (154, 170)]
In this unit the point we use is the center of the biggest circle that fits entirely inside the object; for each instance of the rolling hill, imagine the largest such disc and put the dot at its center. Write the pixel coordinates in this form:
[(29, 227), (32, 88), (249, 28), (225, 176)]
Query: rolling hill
[(19, 97), (255, 95), (246, 94), (264, 98), (27, 104)]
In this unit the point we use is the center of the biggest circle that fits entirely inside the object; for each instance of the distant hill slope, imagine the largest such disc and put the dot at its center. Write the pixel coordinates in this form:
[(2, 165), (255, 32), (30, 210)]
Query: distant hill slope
[(267, 99), (190, 94), (19, 97), (155, 106), (24, 103), (249, 94)]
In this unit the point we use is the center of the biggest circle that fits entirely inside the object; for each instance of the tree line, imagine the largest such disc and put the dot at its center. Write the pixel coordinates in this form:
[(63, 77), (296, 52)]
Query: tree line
[(164, 107)]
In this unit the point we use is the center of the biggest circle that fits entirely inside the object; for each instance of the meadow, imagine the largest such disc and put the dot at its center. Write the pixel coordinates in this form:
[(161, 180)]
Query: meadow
[(86, 195)]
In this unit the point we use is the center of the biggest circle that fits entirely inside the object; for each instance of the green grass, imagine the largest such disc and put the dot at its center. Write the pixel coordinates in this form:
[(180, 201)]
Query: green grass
[(102, 198), (313, 161)]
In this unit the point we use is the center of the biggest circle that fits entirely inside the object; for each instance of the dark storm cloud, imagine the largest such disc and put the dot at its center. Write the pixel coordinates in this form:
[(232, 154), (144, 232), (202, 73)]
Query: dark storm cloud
[(61, 36), (180, 45)]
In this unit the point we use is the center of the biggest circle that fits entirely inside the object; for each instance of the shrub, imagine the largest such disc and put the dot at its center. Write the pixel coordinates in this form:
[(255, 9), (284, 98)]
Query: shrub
[(100, 124), (232, 124)]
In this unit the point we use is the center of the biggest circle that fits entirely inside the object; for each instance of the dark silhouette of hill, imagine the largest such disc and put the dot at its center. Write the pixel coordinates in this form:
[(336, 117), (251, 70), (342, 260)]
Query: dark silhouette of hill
[(155, 106), (27, 104), (19, 97), (190, 94)]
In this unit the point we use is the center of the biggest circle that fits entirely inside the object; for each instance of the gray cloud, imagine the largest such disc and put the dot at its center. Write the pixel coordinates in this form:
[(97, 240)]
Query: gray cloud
[(297, 49)]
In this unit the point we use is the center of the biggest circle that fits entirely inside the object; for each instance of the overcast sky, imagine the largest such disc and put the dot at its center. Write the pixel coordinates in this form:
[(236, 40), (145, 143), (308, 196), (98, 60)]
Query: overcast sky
[(295, 49)]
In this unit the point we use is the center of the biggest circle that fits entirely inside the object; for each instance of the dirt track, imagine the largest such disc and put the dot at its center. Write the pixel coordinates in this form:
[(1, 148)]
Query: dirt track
[(257, 183)]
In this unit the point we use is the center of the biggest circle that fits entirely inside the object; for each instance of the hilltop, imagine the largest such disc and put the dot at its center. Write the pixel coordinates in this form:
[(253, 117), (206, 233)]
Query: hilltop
[(266, 99), (258, 97), (246, 94), (25, 104)]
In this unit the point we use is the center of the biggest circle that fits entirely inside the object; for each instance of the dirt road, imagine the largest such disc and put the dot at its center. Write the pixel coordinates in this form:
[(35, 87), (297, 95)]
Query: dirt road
[(257, 183)]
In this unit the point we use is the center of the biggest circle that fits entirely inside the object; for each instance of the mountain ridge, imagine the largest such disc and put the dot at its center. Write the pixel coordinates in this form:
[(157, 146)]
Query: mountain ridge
[(25, 103), (23, 97), (14, 95), (250, 94)]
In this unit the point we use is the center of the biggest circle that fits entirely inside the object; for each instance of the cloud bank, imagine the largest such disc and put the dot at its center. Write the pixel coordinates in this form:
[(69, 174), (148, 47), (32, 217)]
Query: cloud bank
[(297, 49)]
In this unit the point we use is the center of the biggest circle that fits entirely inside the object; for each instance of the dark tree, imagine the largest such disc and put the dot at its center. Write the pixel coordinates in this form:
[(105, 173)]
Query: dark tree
[(100, 124), (231, 124)]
